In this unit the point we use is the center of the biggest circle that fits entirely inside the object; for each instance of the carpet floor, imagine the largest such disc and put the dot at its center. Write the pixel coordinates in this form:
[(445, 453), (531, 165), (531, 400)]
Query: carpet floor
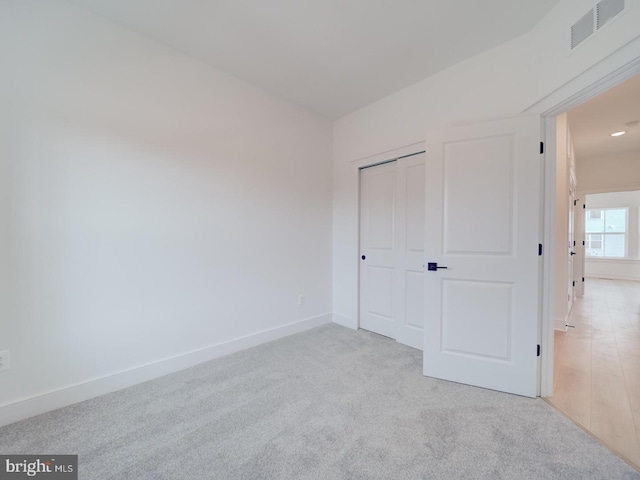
[(329, 403)]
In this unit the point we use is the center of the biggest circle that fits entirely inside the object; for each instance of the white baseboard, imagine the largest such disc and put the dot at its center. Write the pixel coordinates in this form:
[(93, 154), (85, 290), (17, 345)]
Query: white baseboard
[(344, 321), (45, 402), (561, 324), (610, 276)]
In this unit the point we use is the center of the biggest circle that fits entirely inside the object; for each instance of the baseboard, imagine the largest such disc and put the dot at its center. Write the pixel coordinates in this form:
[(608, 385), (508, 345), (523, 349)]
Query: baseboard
[(609, 276), (344, 321), (560, 325), (45, 402)]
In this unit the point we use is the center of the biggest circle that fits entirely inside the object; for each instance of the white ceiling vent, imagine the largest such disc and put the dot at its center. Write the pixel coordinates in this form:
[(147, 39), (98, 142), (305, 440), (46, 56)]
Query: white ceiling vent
[(606, 10), (582, 29), (595, 19)]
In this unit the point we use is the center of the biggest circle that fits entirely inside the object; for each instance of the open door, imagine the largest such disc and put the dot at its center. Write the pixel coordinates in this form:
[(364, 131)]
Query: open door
[(578, 260), (571, 234), (483, 197)]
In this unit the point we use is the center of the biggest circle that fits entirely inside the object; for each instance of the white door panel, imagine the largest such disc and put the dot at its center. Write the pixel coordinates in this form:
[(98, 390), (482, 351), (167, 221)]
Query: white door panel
[(485, 334), (414, 204), (466, 181), (414, 311), (571, 250), (392, 215), (377, 269), (380, 195), (483, 203), (579, 238), (410, 251)]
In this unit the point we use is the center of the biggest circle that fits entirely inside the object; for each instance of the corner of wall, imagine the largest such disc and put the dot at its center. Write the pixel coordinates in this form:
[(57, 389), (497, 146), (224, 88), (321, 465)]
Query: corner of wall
[(345, 321), (48, 401)]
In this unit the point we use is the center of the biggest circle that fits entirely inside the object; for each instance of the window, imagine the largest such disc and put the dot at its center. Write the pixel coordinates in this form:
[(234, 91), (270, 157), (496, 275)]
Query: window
[(606, 232)]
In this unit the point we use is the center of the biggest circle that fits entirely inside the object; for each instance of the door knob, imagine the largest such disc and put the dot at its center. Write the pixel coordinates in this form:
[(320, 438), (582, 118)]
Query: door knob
[(363, 257), (433, 267)]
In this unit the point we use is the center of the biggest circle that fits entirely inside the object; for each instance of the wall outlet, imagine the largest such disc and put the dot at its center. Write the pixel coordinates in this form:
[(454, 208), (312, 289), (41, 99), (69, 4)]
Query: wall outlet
[(301, 299), (4, 360)]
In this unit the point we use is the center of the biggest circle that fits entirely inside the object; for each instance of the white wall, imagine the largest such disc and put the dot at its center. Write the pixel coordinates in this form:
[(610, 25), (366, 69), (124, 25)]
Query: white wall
[(623, 268), (150, 207), (501, 82)]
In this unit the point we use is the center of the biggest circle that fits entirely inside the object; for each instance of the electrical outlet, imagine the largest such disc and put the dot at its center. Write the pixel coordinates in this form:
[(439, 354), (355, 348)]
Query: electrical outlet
[(300, 299), (4, 360)]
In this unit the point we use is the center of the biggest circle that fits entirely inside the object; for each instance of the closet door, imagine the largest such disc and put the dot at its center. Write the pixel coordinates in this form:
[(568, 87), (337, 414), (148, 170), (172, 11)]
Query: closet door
[(392, 249)]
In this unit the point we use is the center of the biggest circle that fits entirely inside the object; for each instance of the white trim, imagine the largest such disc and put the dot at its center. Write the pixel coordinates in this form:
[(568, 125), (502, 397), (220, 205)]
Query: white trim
[(561, 326), (549, 259), (343, 321), (613, 70), (622, 261), (389, 155), (609, 276), (47, 401), (621, 65), (629, 187)]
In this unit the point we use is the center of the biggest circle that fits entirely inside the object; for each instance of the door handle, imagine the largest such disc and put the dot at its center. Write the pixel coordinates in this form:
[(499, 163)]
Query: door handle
[(573, 253), (433, 267)]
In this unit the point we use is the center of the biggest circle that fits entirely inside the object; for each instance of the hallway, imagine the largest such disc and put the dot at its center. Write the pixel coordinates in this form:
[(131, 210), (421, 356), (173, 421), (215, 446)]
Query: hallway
[(597, 365)]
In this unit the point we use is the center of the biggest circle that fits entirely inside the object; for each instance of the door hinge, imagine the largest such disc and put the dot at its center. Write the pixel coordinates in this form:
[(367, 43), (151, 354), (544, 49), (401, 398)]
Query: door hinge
[(583, 279), (584, 206), (538, 351), (541, 147), (539, 249), (574, 243), (574, 283), (583, 243), (575, 202)]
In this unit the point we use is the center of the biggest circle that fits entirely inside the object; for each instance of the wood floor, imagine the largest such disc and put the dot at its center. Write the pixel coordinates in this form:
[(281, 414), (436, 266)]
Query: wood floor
[(597, 365)]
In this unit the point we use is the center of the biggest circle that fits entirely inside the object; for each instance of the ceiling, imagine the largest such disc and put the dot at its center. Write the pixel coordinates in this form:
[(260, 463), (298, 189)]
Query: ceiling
[(592, 123), (329, 56)]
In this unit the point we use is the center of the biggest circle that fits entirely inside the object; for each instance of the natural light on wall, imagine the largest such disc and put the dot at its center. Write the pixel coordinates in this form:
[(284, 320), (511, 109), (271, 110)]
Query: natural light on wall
[(606, 232)]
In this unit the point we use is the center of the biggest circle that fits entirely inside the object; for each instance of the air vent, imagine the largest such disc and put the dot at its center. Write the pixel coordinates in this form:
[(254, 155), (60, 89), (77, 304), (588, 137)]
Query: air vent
[(606, 10), (582, 29)]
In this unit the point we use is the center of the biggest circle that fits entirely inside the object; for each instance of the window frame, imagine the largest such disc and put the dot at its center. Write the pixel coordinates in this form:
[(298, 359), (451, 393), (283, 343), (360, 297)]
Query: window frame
[(604, 234)]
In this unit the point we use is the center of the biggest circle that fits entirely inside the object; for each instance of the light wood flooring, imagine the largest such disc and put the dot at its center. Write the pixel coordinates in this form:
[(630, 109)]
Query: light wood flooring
[(597, 365)]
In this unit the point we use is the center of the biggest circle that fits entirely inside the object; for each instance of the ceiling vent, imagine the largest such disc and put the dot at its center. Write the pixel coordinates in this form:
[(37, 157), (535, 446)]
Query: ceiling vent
[(595, 19), (582, 29), (606, 10)]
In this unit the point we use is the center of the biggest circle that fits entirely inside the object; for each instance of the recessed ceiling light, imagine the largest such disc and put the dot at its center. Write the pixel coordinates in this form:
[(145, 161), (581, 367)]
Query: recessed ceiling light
[(617, 134)]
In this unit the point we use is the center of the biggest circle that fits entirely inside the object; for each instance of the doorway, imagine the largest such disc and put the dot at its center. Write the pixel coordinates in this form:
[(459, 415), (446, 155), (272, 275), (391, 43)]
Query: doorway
[(597, 351)]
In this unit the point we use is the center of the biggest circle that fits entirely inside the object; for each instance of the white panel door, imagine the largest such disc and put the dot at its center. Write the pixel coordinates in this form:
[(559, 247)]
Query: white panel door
[(410, 214), (483, 196), (579, 236), (377, 232), (392, 215), (571, 296)]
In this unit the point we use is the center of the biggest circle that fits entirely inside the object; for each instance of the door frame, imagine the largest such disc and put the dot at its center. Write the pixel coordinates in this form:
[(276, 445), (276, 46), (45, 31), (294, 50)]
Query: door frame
[(615, 69)]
